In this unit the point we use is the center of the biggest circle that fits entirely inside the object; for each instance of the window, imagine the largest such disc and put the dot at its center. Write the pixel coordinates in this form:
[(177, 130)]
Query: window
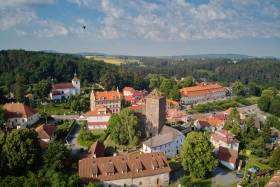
[(22, 120), (235, 145), (160, 147), (16, 120), (76, 82)]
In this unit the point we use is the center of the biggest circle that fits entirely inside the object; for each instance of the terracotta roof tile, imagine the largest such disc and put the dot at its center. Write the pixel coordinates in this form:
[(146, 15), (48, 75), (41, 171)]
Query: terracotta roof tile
[(108, 95), (141, 101), (172, 102), (129, 89), (174, 113), (214, 122), (75, 79), (228, 155), (96, 149), (133, 107), (200, 90), (100, 109), (56, 92), (137, 94), (62, 86), (117, 165), (129, 98), (224, 136), (230, 109), (19, 110), (43, 144), (45, 131)]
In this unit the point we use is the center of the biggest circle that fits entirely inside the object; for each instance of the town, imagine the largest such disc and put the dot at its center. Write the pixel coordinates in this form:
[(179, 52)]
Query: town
[(167, 131)]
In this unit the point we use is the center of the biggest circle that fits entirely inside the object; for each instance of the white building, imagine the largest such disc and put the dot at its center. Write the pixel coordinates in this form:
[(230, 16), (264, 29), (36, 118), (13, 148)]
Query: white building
[(169, 141), (225, 139), (229, 158), (150, 169), (65, 90), (128, 91), (203, 92), (98, 118), (21, 115)]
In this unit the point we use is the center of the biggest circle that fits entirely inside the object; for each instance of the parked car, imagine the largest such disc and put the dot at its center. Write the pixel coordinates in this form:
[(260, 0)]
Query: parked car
[(239, 175), (69, 137)]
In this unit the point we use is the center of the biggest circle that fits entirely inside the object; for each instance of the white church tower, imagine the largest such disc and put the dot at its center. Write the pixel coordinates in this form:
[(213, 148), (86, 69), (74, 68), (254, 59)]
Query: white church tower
[(77, 84)]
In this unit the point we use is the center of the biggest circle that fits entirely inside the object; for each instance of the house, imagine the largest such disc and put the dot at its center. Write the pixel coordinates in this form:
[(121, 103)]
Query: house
[(128, 91), (21, 115), (130, 98), (225, 139), (244, 121), (241, 112), (96, 150), (229, 158), (175, 115), (137, 95), (141, 101), (150, 169), (172, 104), (275, 180), (203, 92), (168, 141), (63, 91), (46, 132), (43, 144), (98, 118), (210, 124), (110, 99)]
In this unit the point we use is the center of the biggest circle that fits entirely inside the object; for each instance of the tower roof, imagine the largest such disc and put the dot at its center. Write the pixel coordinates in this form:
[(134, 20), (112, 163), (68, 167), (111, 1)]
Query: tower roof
[(156, 94)]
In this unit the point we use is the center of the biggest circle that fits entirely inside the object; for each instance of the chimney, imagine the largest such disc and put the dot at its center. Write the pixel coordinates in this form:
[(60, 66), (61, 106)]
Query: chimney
[(94, 155)]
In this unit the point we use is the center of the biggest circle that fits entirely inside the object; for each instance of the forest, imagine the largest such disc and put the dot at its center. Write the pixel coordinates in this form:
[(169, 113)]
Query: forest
[(30, 67)]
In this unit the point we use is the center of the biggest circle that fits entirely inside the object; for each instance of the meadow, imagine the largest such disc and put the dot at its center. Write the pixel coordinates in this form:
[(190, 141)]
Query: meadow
[(112, 60)]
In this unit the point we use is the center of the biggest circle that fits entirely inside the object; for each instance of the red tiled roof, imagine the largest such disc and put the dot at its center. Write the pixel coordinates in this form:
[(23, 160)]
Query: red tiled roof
[(220, 116), (174, 113), (172, 102), (133, 107), (108, 95), (45, 131), (43, 144), (97, 123), (200, 90), (129, 89), (137, 94), (75, 79), (55, 92), (141, 101), (275, 180), (224, 136), (214, 122), (19, 110), (129, 98), (117, 164), (94, 112), (97, 149), (62, 86), (230, 109), (228, 155)]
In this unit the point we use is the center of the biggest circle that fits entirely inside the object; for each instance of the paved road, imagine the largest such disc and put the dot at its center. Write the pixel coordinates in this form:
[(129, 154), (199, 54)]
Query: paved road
[(222, 177), (73, 143)]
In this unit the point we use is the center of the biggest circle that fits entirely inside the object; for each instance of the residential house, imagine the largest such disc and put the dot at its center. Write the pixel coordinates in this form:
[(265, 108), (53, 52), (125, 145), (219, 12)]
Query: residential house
[(60, 91), (241, 112), (225, 139), (229, 158), (137, 95), (141, 101), (175, 116), (170, 104), (244, 121), (203, 92), (46, 132), (275, 180), (210, 124), (168, 141), (130, 98), (150, 169), (97, 150), (128, 91), (21, 115), (98, 118), (110, 99)]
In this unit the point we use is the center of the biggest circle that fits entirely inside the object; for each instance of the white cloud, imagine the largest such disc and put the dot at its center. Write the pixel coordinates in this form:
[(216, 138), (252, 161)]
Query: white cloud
[(247, 4), (20, 32), (9, 19), (53, 31), (271, 11), (26, 3)]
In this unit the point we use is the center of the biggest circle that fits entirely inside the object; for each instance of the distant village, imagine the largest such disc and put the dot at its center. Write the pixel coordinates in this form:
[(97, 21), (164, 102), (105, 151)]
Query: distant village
[(148, 166)]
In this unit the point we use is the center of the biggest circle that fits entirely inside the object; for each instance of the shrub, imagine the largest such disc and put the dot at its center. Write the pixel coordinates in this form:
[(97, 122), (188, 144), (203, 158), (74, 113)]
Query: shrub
[(87, 135), (82, 150), (104, 137)]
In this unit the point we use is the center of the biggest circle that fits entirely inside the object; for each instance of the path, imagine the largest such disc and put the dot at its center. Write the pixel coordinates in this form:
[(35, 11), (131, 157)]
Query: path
[(223, 177), (73, 143)]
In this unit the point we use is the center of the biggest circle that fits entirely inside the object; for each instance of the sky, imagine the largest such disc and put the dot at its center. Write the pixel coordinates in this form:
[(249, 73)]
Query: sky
[(142, 27)]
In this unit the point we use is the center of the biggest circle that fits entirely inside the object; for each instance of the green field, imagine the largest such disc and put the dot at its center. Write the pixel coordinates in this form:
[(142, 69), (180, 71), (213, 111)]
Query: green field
[(112, 60)]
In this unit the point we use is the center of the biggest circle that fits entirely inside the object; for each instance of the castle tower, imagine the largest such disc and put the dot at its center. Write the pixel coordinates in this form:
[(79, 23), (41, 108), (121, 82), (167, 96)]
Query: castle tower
[(77, 84), (155, 112)]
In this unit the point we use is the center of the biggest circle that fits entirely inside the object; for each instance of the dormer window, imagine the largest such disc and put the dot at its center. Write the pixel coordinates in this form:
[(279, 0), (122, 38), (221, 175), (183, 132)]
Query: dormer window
[(114, 97)]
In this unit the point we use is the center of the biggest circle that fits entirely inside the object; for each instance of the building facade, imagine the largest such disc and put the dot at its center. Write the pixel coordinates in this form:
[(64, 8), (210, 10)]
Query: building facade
[(225, 139), (128, 91), (98, 118), (150, 169), (20, 115), (203, 92), (109, 99), (65, 90)]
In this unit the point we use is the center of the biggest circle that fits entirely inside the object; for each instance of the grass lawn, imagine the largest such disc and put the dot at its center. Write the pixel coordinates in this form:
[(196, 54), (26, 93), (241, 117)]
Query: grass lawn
[(110, 143), (253, 99), (96, 133), (207, 182), (54, 109)]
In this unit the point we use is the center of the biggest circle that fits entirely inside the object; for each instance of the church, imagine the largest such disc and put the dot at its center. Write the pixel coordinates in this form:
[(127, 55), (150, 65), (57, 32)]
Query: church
[(60, 91)]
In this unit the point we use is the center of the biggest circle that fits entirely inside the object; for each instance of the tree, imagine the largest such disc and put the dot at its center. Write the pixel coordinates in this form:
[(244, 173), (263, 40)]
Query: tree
[(266, 132), (186, 82), (85, 83), (251, 130), (93, 184), (124, 127), (166, 85), (252, 88), (56, 179), (233, 118), (21, 151), (264, 103), (197, 156), (4, 115), (20, 89), (275, 108), (55, 153), (235, 129), (273, 122), (174, 93), (75, 181), (276, 158), (31, 180), (268, 93), (238, 88), (43, 88)]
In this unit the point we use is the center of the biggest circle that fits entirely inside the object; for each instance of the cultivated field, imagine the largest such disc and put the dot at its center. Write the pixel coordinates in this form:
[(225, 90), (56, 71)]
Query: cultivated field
[(112, 60)]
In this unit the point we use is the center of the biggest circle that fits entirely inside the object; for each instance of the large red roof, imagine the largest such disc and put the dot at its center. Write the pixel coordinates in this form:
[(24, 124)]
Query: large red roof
[(19, 110)]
